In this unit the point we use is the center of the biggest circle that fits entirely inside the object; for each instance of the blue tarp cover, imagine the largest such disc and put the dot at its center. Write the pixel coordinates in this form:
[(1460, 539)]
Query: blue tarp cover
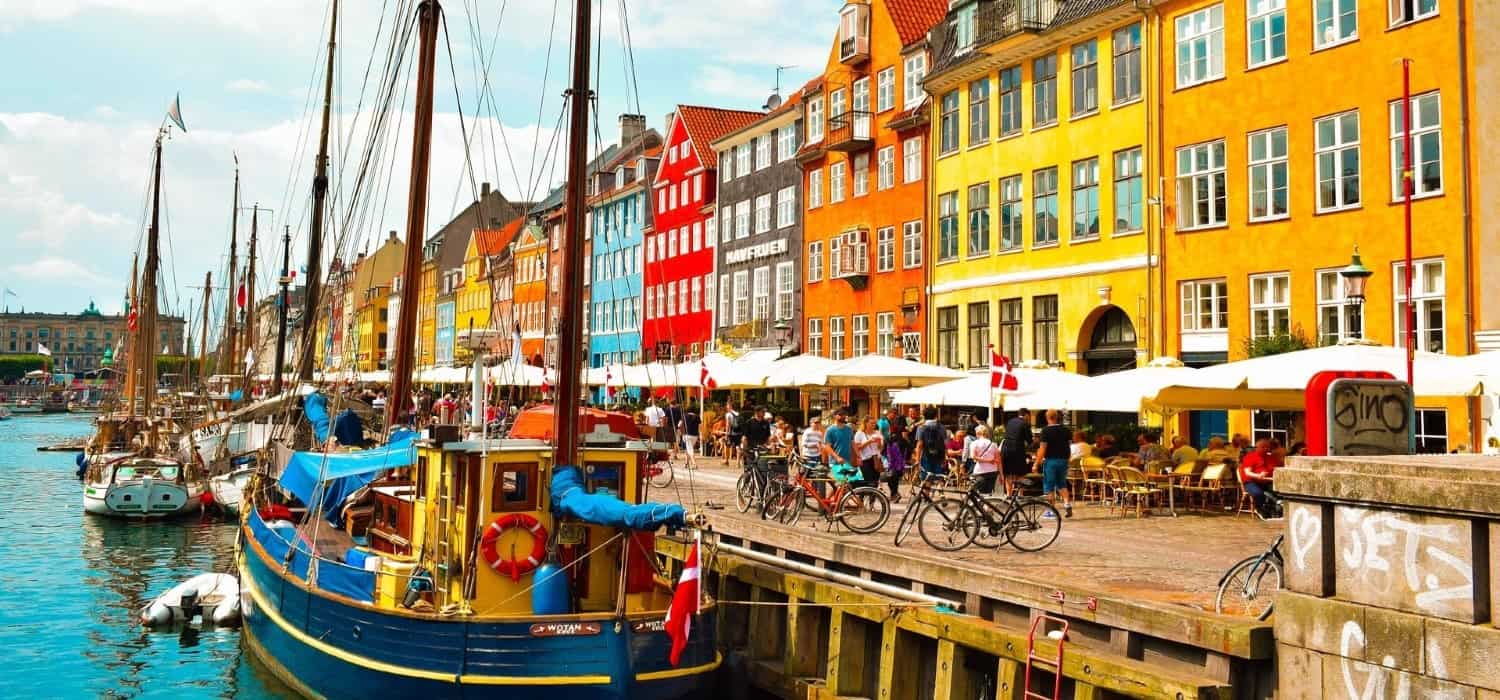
[(345, 580), (316, 408), (348, 429), (569, 498), (344, 472)]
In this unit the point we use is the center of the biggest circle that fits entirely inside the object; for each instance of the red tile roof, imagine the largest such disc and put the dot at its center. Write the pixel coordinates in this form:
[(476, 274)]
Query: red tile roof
[(493, 241), (706, 124), (913, 18)]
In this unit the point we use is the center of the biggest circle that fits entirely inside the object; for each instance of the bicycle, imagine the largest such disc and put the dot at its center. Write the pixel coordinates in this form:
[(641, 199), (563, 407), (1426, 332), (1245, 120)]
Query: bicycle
[(755, 482), (1029, 524), (1251, 582), (861, 509), (659, 471), (922, 489)]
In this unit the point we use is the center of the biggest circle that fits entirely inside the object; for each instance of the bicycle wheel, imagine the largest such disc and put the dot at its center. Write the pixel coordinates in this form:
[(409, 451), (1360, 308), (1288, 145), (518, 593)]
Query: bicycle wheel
[(777, 497), (661, 473), (909, 519), (945, 526), (1032, 526), (747, 491), (990, 533), (1250, 588), (797, 501), (864, 510)]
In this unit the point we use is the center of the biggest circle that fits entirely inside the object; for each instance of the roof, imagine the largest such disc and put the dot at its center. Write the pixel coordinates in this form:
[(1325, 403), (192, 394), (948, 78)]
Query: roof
[(706, 125), (914, 18), (1074, 10), (790, 104), (493, 241), (554, 198)]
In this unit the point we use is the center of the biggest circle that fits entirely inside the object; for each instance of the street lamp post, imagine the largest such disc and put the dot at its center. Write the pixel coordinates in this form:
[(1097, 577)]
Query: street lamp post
[(1355, 277), (783, 334)]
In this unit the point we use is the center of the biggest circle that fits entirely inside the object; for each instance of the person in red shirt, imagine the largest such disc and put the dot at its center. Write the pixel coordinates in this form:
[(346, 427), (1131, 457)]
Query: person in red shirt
[(1258, 473)]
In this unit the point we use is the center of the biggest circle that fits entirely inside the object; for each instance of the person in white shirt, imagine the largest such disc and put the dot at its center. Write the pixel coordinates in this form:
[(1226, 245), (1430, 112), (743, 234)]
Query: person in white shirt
[(986, 456), (655, 417), (1080, 447), (812, 442), (868, 444)]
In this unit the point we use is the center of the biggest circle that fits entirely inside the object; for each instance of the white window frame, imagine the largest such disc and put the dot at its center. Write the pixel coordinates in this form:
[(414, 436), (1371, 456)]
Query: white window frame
[(741, 308), (911, 160), (1338, 8), (786, 143), (1418, 130), (885, 89), (726, 164), (836, 176), (786, 290), (885, 249), (1425, 293), (698, 187), (836, 338), (697, 294), (710, 231), (725, 303), (914, 68), (860, 326), (1269, 162), (1339, 150), (1203, 27), (742, 220), (672, 298), (708, 292), (885, 168), (1215, 174), (1270, 298), (786, 206), (815, 337), (763, 213), (671, 243), (762, 152), (727, 230), (885, 333), (1330, 295), (815, 121), (1192, 293), (815, 188), (742, 163), (1263, 13), (760, 307), (815, 261), (861, 167), (1396, 8), (911, 245)]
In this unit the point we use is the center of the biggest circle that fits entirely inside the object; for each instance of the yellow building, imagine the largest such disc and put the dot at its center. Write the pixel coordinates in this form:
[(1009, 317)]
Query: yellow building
[(1039, 229), (372, 320), (1281, 137), (427, 305)]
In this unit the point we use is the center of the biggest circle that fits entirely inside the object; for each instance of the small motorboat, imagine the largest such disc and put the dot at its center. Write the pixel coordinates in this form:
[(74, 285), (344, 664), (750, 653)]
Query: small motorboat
[(212, 598), (229, 489), (140, 487)]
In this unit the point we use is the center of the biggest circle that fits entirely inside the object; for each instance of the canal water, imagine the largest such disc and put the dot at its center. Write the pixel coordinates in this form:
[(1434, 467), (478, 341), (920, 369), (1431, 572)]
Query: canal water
[(71, 584)]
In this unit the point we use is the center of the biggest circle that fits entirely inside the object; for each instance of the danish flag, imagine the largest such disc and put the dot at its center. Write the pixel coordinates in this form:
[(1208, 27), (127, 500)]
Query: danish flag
[(609, 387), (685, 604), (1001, 375), (705, 379)]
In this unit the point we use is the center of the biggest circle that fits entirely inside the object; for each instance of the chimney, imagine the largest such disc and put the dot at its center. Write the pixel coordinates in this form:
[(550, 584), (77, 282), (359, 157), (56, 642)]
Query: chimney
[(484, 191), (392, 237), (631, 126)]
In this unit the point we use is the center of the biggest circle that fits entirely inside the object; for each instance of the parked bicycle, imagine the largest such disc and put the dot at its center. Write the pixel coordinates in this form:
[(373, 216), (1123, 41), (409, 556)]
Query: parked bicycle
[(861, 509), (1249, 587), (1029, 524), (659, 470), (923, 489), (761, 470)]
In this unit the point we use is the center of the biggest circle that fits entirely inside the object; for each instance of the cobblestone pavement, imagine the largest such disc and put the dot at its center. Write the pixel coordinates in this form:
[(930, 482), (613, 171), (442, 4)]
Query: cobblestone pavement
[(1158, 558)]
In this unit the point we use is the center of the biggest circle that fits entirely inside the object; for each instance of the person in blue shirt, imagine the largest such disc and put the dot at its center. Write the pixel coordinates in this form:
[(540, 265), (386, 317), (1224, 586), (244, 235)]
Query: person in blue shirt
[(838, 443)]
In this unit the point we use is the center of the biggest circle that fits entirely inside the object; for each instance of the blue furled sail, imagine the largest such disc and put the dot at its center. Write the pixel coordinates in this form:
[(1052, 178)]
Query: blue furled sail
[(344, 473), (571, 499), (316, 408)]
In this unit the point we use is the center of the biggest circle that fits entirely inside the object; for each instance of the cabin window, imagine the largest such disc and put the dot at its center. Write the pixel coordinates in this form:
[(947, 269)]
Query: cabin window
[(604, 477), (514, 488)]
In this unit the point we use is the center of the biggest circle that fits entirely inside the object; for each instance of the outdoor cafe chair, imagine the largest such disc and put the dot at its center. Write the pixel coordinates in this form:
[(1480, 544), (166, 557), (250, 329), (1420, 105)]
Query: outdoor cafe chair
[(1209, 484), (1135, 487)]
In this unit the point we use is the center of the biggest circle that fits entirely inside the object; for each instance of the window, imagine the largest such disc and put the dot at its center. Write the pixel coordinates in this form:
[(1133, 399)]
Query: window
[(697, 236), (835, 337), (911, 244), (836, 182), (911, 159), (836, 106), (1403, 11), (1270, 305), (726, 164), (947, 226), (1010, 100), (1201, 197), (886, 168), (1338, 161), (1427, 293), (671, 199), (763, 213), (1272, 425), (741, 309), (697, 295), (1044, 207), (979, 111), (1268, 174), (979, 219), (1200, 46), (1010, 212), (916, 69), (671, 298), (948, 124), (1266, 34), (979, 334), (762, 307), (671, 243), (815, 261), (763, 152), (1010, 328), (742, 220), (885, 249), (786, 207), (861, 336), (725, 288), (1432, 431), (684, 236), (786, 287), (1043, 91), (814, 189), (1044, 328), (1085, 77), (661, 200), (861, 174), (1086, 199), (1126, 46), (1338, 317), (786, 143), (1427, 146), (728, 231), (947, 336), (835, 256), (710, 235), (1129, 195), (885, 89), (815, 337), (815, 120), (861, 107), (1334, 22), (742, 159), (708, 293), (963, 28), (1205, 306), (885, 333)]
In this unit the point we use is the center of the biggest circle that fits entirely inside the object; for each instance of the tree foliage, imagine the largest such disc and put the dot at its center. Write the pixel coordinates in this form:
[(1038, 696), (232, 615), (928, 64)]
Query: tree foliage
[(1268, 345), (13, 367)]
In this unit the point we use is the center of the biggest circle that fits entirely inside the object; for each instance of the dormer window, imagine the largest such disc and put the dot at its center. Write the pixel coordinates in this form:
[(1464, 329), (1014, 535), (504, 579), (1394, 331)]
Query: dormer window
[(854, 32), (963, 28)]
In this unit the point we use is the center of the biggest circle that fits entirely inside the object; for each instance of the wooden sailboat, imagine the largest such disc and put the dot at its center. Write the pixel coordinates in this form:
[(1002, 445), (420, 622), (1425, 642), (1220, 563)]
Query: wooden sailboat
[(438, 566), (129, 471)]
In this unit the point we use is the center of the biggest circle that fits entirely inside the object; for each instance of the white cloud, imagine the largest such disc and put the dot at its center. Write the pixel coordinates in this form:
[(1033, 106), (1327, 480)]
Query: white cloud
[(724, 82), (247, 85), (52, 270)]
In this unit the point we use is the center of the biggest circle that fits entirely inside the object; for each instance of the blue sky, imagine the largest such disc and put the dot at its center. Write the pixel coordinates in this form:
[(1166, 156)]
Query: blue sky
[(87, 83)]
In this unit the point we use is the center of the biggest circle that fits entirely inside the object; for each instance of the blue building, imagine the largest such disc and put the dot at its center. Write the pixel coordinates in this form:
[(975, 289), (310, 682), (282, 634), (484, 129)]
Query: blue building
[(617, 221)]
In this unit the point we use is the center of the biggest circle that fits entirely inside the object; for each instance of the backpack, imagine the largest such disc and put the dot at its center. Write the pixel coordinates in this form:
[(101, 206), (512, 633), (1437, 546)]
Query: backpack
[(934, 443), (732, 422)]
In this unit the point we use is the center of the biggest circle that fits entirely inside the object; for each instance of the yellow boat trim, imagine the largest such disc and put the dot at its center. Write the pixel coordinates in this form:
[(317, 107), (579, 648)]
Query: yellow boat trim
[(365, 662), (680, 672)]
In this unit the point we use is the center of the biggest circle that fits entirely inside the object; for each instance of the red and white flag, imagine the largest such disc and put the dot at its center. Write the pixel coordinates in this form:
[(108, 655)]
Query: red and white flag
[(1001, 375), (609, 383), (685, 604), (705, 379)]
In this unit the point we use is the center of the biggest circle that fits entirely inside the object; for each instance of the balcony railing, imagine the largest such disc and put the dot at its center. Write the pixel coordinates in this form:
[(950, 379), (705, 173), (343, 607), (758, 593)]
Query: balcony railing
[(855, 49), (1002, 18), (851, 131)]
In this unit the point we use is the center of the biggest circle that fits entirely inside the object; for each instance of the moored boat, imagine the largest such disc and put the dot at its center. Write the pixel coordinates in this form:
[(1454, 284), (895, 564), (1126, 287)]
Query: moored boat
[(134, 486)]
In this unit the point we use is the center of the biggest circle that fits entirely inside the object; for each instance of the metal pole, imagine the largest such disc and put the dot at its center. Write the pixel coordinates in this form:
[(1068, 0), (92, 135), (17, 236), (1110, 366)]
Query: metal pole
[(1406, 187), (570, 330), (146, 338), (416, 212), (208, 292), (250, 296), (227, 350), (286, 278), (315, 236)]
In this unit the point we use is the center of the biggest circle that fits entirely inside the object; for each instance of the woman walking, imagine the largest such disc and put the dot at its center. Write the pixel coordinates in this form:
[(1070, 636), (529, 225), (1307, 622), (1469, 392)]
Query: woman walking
[(896, 450), (868, 445)]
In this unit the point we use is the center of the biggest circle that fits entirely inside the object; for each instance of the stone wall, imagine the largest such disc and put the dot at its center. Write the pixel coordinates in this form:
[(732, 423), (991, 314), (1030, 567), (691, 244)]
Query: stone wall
[(1390, 582)]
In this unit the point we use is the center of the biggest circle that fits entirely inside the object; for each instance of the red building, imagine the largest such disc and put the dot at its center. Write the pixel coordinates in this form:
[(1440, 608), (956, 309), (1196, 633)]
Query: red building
[(678, 279)]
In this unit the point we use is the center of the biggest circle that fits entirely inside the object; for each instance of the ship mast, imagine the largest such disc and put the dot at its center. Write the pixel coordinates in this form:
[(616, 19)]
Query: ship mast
[(130, 334), (230, 335), (570, 330), (286, 279), (399, 401), (146, 311), (250, 297), (314, 284), (208, 292)]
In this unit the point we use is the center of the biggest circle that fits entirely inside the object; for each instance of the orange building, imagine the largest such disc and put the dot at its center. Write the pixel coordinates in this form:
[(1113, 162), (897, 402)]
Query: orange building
[(864, 176), (530, 298)]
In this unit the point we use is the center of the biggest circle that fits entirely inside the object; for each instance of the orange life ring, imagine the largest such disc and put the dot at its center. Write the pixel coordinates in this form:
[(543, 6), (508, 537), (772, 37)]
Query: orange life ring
[(514, 568)]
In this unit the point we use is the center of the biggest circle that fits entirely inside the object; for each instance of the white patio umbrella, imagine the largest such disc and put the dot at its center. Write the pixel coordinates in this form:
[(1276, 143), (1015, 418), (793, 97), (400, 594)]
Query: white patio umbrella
[(516, 374), (1042, 388), (885, 372), (1127, 391), (798, 371)]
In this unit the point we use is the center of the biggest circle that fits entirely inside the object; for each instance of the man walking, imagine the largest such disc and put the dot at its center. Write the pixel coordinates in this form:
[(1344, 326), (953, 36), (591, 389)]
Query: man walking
[(932, 444), (1052, 460), (689, 427), (1013, 448)]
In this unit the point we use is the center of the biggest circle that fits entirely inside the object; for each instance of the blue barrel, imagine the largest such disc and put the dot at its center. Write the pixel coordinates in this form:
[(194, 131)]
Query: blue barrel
[(549, 591)]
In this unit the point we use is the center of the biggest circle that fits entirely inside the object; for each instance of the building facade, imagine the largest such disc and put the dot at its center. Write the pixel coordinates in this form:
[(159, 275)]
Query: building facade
[(864, 164), (679, 274), (530, 296), (78, 341), (619, 213), (759, 266), (1037, 223)]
